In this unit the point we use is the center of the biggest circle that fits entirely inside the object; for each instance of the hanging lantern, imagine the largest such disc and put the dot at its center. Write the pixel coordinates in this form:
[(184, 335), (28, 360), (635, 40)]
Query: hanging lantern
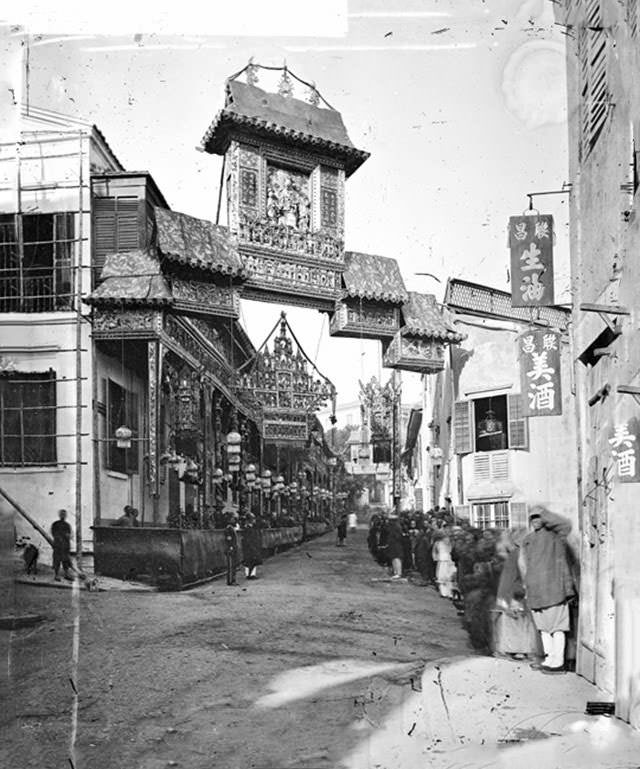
[(234, 441), (266, 480), (123, 437), (364, 452), (184, 390), (279, 484), (250, 475), (332, 461)]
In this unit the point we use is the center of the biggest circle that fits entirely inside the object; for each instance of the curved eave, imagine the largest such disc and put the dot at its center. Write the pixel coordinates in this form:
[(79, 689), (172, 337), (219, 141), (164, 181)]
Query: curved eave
[(216, 138), (239, 273), (390, 297), (453, 337), (99, 301)]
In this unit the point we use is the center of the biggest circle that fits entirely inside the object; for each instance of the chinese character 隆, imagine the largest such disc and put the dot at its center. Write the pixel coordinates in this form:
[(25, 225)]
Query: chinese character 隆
[(542, 230), (549, 342), (532, 288), (542, 397)]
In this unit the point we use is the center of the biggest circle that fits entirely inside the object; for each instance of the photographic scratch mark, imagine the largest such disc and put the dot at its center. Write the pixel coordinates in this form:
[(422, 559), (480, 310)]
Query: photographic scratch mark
[(441, 30), (410, 732)]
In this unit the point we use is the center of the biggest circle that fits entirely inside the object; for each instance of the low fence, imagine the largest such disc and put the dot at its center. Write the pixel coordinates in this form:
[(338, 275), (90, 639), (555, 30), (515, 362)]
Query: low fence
[(177, 558)]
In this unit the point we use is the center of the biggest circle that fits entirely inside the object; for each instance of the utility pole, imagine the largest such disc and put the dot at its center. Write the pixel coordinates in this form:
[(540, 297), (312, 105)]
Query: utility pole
[(396, 387)]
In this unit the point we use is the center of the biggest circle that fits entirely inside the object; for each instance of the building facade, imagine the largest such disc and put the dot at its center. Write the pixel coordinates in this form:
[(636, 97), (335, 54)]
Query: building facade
[(603, 91), (484, 454)]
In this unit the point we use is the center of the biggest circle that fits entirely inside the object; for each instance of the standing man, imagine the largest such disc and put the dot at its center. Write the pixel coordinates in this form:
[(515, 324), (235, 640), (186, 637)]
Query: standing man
[(61, 533), (352, 520), (393, 542), (549, 583), (251, 547), (231, 548)]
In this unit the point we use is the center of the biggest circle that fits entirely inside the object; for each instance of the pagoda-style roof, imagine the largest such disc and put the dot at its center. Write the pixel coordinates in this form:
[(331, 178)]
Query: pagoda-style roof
[(131, 277), (250, 108), (424, 317), (378, 278), (197, 243)]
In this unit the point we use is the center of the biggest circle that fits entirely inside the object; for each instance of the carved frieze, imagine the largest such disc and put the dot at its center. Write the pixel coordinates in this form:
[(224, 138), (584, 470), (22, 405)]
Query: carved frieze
[(205, 298), (116, 323), (320, 245), (277, 275)]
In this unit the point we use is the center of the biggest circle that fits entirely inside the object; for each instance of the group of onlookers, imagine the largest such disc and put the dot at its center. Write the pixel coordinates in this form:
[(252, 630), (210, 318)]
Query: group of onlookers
[(515, 589)]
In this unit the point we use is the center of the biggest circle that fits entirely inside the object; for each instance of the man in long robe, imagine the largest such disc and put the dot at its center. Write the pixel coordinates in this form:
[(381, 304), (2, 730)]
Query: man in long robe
[(549, 583)]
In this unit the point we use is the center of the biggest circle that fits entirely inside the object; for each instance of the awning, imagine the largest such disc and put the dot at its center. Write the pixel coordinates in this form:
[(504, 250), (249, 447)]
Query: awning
[(197, 242), (424, 317), (131, 277), (378, 278)]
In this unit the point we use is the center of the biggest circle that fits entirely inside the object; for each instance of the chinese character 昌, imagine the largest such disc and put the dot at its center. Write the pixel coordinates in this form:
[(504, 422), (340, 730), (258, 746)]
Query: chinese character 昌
[(520, 232)]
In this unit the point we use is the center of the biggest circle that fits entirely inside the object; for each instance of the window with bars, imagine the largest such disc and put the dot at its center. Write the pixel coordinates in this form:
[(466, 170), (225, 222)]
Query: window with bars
[(122, 410), (36, 252), (491, 515), (27, 419), (593, 49)]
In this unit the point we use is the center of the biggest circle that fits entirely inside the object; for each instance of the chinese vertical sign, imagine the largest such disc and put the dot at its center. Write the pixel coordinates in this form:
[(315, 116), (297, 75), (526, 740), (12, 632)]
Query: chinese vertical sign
[(531, 245), (539, 353), (625, 444)]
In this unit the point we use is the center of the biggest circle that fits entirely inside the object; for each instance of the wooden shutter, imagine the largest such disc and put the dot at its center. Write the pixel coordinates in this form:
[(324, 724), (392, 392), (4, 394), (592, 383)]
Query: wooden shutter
[(518, 514), (594, 90), (118, 225), (481, 467), (633, 19), (518, 423), (462, 427), (499, 465)]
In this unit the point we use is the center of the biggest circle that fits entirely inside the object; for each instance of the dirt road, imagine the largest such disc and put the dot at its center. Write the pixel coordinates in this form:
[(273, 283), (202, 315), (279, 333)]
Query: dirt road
[(290, 671)]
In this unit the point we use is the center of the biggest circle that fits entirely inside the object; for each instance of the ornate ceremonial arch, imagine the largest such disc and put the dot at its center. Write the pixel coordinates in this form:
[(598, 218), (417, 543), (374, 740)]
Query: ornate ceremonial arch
[(176, 300)]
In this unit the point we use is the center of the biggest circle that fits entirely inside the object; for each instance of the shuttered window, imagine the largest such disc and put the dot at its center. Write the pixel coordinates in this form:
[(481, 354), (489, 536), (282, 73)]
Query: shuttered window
[(118, 225), (463, 427), (592, 52), (518, 422), (491, 466)]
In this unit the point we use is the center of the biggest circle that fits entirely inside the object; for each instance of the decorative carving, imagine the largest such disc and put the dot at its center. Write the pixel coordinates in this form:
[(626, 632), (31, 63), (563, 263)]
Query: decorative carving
[(154, 367), (249, 157), (249, 187), (210, 334), (205, 297), (285, 86), (328, 207), (251, 73), (286, 385), (314, 96), (117, 323), (372, 320), (288, 198), (319, 245), (198, 352)]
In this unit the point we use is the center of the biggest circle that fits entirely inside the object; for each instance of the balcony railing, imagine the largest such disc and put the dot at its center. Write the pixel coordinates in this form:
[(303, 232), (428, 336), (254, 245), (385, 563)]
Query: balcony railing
[(35, 293)]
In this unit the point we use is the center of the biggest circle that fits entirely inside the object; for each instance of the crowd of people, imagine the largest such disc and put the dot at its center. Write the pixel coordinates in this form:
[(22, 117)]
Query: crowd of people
[(515, 589)]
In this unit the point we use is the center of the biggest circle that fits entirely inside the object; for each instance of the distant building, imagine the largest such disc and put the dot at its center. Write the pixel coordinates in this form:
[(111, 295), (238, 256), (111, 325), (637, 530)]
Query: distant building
[(483, 454)]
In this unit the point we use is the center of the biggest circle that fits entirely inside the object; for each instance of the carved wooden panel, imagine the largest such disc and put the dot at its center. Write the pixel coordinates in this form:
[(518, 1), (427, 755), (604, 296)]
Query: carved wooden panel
[(372, 320), (414, 353)]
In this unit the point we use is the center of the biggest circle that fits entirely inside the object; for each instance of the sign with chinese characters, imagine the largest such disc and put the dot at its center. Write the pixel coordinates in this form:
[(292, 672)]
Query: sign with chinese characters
[(540, 372), (625, 444), (531, 244)]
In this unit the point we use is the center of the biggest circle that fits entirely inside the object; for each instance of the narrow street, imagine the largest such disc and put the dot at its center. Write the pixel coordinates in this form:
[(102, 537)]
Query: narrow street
[(293, 670)]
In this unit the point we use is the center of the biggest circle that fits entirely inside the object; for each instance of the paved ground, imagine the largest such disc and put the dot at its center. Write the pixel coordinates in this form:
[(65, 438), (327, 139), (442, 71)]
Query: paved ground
[(295, 670)]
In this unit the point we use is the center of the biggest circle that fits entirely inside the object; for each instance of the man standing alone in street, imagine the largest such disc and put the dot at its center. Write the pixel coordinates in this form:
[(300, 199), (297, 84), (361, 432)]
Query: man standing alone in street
[(61, 533), (549, 583)]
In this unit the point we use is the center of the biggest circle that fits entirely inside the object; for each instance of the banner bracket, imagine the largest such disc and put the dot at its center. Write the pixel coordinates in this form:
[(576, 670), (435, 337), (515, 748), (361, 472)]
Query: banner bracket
[(604, 311)]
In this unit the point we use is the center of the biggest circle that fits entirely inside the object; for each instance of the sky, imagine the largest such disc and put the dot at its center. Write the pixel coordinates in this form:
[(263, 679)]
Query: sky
[(461, 104)]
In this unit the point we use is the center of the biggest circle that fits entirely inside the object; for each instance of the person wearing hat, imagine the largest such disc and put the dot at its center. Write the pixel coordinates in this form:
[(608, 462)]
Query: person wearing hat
[(549, 583), (61, 535), (251, 547), (392, 541)]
